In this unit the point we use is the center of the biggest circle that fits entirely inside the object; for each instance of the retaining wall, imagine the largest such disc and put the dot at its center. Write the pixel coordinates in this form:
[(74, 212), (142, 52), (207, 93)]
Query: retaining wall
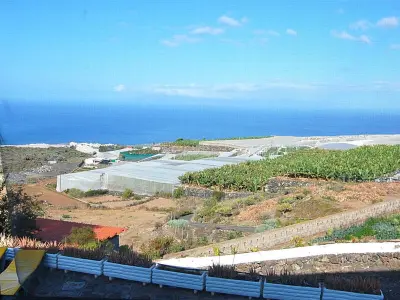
[(341, 263), (271, 238)]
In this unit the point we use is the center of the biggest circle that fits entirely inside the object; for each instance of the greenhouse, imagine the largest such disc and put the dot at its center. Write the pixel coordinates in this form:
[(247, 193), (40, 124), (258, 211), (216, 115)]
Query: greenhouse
[(146, 178)]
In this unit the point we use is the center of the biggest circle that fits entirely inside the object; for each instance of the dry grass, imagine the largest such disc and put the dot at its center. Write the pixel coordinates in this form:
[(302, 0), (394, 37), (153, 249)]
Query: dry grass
[(323, 198)]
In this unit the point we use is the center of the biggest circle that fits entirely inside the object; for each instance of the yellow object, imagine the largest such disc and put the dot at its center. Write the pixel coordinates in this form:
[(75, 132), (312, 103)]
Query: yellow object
[(22, 266), (2, 251)]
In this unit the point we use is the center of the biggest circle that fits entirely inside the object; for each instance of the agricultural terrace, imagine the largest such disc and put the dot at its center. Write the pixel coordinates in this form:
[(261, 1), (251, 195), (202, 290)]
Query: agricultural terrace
[(360, 164)]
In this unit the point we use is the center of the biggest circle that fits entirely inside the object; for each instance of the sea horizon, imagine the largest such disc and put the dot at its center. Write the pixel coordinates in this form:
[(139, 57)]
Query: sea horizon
[(134, 123)]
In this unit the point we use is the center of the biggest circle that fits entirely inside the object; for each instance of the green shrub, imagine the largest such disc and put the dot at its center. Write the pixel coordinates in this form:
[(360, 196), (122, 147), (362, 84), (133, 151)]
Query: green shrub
[(178, 193), (127, 194), (159, 246), (75, 193), (234, 235), (178, 223), (93, 254), (52, 186), (268, 225), (222, 271), (126, 256), (66, 216), (93, 193), (284, 208), (218, 195), (185, 142), (81, 236)]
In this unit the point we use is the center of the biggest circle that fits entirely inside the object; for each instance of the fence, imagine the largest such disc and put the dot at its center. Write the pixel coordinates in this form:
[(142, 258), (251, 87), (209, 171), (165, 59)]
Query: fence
[(274, 237), (199, 282)]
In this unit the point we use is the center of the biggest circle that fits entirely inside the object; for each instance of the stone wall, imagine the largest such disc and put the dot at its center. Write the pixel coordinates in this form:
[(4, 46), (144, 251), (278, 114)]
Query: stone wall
[(272, 238), (328, 264), (208, 193), (279, 185)]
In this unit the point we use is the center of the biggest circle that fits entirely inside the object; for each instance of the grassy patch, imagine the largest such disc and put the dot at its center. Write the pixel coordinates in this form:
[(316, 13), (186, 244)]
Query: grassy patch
[(189, 157), (383, 228), (51, 186), (106, 148), (184, 143), (77, 193), (359, 164)]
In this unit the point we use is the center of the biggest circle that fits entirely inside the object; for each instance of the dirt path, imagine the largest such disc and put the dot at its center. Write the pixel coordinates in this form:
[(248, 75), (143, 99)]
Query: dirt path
[(57, 199)]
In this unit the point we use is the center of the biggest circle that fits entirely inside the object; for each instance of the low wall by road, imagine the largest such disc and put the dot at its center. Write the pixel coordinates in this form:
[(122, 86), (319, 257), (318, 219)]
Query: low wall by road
[(271, 238), (341, 263), (284, 257)]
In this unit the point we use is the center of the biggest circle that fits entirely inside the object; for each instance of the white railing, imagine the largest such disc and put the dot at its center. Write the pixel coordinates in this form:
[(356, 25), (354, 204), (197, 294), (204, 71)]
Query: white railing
[(195, 282)]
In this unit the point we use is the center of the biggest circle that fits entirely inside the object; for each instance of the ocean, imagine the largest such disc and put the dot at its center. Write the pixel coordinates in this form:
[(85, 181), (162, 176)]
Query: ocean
[(25, 123)]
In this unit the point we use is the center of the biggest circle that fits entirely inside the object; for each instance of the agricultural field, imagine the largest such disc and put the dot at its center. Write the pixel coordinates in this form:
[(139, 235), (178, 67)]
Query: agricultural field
[(360, 164)]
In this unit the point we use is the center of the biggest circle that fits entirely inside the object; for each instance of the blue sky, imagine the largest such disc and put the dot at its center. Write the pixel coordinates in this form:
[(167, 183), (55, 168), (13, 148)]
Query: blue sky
[(343, 53)]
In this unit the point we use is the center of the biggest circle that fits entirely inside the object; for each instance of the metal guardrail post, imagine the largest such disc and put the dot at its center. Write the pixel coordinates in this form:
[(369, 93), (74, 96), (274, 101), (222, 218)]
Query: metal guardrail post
[(322, 286)]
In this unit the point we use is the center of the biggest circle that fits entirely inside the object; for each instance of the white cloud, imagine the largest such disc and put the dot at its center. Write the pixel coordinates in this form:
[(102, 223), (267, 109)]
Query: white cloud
[(179, 39), (395, 46), (364, 39), (119, 88), (273, 32), (231, 21), (207, 30), (388, 22), (347, 36), (228, 91), (361, 25), (290, 31)]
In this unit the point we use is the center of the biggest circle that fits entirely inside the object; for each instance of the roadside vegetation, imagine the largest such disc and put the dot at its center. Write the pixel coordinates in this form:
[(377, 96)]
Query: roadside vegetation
[(189, 157), (360, 164), (77, 193), (382, 228)]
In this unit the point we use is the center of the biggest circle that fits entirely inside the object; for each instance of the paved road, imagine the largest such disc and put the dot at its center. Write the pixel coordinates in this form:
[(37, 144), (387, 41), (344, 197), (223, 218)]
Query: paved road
[(77, 285)]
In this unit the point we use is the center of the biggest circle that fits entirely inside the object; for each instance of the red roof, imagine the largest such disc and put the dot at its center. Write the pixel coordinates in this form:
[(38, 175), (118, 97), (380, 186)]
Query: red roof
[(55, 230)]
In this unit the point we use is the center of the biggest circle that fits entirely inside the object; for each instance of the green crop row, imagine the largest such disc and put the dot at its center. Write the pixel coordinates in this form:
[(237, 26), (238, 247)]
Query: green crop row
[(360, 164)]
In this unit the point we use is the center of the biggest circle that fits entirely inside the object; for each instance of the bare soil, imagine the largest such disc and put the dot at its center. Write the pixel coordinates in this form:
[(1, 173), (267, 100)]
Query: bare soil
[(58, 200), (139, 223), (322, 198)]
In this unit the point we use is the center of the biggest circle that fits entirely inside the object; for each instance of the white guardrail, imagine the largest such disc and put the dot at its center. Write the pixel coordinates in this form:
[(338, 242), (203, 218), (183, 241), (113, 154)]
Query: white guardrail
[(195, 282)]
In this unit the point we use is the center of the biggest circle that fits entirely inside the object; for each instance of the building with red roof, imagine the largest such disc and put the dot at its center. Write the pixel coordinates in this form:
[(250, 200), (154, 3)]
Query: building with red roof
[(57, 230)]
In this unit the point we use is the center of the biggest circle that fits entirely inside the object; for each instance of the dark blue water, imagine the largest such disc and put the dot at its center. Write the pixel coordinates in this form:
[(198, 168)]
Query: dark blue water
[(22, 123)]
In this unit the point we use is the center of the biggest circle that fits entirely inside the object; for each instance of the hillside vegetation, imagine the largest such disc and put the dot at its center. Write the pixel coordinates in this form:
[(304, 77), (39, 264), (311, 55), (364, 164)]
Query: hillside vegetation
[(360, 164)]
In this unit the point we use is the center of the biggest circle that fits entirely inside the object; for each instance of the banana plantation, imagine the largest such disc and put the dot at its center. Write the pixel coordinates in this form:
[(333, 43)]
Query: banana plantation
[(360, 164)]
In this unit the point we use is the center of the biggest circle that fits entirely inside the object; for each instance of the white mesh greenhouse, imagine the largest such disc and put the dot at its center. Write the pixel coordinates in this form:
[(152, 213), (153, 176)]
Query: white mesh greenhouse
[(145, 178)]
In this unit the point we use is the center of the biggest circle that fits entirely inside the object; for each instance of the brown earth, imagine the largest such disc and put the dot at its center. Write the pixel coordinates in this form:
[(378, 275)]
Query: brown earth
[(139, 223), (342, 197), (45, 195)]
